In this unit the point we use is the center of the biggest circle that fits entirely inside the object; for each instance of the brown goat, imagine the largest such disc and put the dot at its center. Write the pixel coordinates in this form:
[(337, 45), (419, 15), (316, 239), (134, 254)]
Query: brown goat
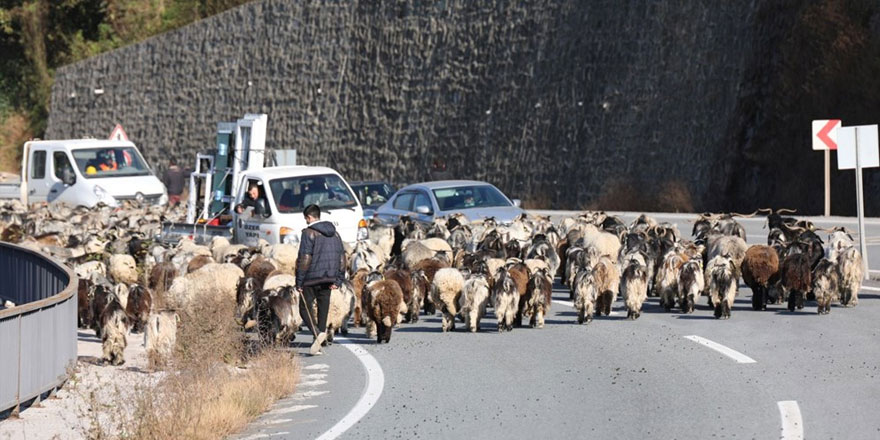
[(760, 269), (259, 270), (382, 300), (520, 275), (161, 277), (140, 301), (797, 279), (358, 281), (84, 304), (404, 280), (429, 267)]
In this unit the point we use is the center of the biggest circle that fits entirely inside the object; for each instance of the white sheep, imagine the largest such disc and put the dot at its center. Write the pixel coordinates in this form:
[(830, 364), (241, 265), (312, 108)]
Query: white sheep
[(445, 291), (123, 269), (606, 243), (341, 306), (284, 257), (160, 336), (211, 279), (414, 252), (473, 301)]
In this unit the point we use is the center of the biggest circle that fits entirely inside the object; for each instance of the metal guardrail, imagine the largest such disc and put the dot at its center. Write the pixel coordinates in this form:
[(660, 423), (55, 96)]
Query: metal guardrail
[(38, 335)]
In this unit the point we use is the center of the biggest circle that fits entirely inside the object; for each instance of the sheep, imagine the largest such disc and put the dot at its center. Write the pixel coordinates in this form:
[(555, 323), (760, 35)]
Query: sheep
[(666, 279), (506, 299), (140, 301), (796, 279), (382, 300), (473, 301), (540, 293), (383, 237), (123, 269), (760, 270), (341, 305), (198, 262), (607, 244), (212, 279), (160, 336), (429, 268), (634, 284), (691, 282), (437, 245), (607, 279), (445, 291), (411, 302), (85, 270), (415, 252), (114, 328), (721, 282), (284, 256), (825, 284), (851, 270), (727, 245)]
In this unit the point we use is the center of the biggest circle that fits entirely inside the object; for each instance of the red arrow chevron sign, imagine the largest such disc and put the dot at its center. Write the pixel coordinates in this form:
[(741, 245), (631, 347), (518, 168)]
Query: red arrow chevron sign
[(825, 134)]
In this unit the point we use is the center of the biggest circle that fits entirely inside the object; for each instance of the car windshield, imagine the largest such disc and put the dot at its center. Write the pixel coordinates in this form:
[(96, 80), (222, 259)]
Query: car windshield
[(110, 162), (464, 197), (372, 193), (293, 194)]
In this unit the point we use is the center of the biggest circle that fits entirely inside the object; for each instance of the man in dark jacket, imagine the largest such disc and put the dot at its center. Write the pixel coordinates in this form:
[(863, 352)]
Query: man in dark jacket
[(320, 267)]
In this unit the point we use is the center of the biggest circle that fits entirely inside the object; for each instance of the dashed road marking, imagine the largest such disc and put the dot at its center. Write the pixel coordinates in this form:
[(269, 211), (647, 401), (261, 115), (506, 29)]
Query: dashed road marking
[(312, 383), (372, 390), (291, 409), (872, 289), (792, 423), (729, 352), (315, 376), (321, 367), (268, 435)]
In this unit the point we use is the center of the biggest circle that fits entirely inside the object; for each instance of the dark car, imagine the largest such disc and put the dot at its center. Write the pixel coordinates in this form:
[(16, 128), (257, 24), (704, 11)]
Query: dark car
[(372, 194)]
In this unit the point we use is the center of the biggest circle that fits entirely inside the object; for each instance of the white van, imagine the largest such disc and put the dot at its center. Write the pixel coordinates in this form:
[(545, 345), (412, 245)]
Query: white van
[(284, 192), (85, 172)]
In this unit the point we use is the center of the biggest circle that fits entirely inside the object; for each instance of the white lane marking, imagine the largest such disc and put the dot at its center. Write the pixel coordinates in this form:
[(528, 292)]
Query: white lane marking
[(873, 289), (312, 383), (277, 421), (309, 394), (729, 352), (258, 436), (571, 304), (372, 391), (313, 376), (792, 424), (290, 409), (321, 367)]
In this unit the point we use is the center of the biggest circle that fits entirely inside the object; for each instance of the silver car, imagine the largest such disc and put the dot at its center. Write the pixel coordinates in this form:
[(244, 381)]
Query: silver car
[(424, 201)]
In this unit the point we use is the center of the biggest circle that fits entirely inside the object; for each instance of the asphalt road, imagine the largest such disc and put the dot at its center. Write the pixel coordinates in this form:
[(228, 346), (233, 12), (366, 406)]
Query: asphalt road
[(612, 378)]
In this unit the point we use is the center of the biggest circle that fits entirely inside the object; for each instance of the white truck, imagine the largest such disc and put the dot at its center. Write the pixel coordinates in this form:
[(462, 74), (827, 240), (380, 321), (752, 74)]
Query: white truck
[(221, 180), (284, 192), (84, 172)]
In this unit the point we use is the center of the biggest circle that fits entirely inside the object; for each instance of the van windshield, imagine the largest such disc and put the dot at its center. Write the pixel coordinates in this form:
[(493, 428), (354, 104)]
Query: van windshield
[(110, 162), (328, 191)]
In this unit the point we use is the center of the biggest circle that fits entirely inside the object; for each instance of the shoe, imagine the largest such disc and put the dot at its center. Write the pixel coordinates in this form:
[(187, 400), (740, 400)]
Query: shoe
[(316, 346)]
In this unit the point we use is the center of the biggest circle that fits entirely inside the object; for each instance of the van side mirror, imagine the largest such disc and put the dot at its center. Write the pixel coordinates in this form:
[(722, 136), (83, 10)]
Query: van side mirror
[(261, 208), (68, 177)]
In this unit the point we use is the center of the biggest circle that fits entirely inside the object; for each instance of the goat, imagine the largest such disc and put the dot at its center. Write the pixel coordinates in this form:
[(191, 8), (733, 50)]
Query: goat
[(691, 283), (721, 281), (760, 270), (634, 284), (825, 285)]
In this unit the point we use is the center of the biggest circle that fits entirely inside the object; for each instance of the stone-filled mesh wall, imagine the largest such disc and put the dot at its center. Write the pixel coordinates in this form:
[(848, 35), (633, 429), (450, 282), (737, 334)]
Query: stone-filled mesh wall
[(566, 104)]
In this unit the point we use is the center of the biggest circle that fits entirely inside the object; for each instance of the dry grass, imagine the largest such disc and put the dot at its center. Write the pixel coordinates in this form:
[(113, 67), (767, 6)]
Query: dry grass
[(14, 133), (203, 395)]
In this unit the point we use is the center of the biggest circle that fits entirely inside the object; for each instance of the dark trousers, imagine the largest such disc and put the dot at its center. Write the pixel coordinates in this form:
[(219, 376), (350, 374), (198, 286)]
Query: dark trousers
[(321, 294)]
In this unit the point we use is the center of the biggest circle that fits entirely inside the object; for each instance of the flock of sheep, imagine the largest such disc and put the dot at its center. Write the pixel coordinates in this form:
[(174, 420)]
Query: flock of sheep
[(129, 281)]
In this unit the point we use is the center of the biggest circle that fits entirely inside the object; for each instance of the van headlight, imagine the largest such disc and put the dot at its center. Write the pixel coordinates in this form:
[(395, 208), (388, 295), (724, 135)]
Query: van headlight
[(363, 230), (288, 235)]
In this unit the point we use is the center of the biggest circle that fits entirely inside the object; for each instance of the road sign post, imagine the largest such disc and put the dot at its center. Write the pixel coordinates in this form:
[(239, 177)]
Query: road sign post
[(859, 149), (825, 138)]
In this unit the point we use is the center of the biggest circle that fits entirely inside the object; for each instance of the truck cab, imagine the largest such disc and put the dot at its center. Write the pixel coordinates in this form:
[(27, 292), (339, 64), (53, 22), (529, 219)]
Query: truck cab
[(86, 172), (276, 215)]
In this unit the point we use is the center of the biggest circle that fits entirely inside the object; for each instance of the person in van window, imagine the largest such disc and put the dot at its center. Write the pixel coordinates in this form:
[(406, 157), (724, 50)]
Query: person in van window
[(375, 197), (250, 198), (107, 161)]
